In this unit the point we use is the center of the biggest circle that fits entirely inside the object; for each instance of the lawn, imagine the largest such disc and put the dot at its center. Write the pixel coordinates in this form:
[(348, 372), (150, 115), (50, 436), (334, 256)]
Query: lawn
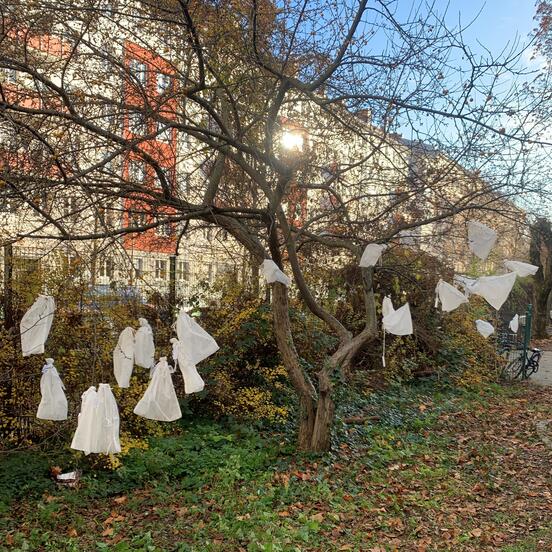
[(416, 468)]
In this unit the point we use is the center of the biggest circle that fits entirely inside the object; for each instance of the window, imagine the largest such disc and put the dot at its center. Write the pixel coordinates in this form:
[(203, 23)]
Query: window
[(161, 269), (138, 71), (165, 229), (106, 268), (70, 208), (107, 7), (183, 270), (164, 134), (137, 171), (10, 76), (138, 218), (138, 268), (164, 83), (137, 123), (225, 268)]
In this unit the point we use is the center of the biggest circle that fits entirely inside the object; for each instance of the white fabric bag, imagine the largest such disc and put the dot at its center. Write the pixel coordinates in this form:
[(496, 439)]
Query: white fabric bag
[(144, 346), (160, 401), (484, 328), (273, 274), (521, 269), (35, 325), (107, 428), (199, 344), (123, 357), (396, 322), (449, 296), (514, 324), (193, 382), (481, 239), (495, 289), (85, 434), (53, 404), (372, 254)]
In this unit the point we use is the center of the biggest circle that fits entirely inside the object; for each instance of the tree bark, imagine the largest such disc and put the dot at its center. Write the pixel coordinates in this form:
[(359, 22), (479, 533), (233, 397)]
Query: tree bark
[(322, 431), (298, 377), (540, 253)]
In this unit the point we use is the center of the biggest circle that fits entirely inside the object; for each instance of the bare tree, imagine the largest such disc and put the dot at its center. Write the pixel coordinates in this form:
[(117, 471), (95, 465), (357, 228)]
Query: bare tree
[(541, 256), (280, 125)]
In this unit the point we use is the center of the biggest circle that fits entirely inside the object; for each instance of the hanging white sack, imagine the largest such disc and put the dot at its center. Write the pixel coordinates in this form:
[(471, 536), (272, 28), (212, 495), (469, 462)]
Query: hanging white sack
[(481, 239), (273, 274), (85, 435), (107, 437), (160, 401), (495, 289), (484, 328), (193, 382), (514, 324), (521, 269), (123, 357), (35, 325), (449, 296), (396, 322), (53, 403), (144, 346), (199, 344), (372, 254)]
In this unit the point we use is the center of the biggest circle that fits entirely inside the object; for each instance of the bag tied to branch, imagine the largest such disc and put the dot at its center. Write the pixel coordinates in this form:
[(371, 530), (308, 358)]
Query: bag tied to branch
[(193, 382), (123, 357), (144, 346), (160, 401), (35, 325), (53, 403), (481, 239)]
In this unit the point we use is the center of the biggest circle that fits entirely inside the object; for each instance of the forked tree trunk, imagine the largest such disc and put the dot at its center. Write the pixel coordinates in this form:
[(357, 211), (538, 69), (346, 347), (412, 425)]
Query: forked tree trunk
[(316, 411)]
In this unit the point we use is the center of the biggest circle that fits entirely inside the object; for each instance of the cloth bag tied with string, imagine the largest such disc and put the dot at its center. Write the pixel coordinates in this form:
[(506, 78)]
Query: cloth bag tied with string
[(193, 382), (123, 357), (53, 403), (98, 423), (449, 296), (199, 344), (494, 289), (521, 269), (160, 401), (371, 254), (484, 328), (35, 325), (481, 239), (272, 273), (144, 346), (396, 322), (85, 434)]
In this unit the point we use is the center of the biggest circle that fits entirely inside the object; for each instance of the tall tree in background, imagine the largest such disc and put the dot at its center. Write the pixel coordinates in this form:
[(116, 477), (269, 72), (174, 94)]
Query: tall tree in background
[(283, 122), (541, 255)]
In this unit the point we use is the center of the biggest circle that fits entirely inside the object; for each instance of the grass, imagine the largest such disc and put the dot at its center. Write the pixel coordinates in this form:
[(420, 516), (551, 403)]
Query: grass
[(430, 469)]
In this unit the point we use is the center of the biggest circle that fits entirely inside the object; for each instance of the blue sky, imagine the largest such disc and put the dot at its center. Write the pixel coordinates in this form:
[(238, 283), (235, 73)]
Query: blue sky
[(498, 23)]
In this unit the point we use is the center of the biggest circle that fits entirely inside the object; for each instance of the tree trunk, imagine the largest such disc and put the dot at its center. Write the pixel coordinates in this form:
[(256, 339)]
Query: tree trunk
[(540, 253), (322, 431), (540, 314), (308, 411)]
